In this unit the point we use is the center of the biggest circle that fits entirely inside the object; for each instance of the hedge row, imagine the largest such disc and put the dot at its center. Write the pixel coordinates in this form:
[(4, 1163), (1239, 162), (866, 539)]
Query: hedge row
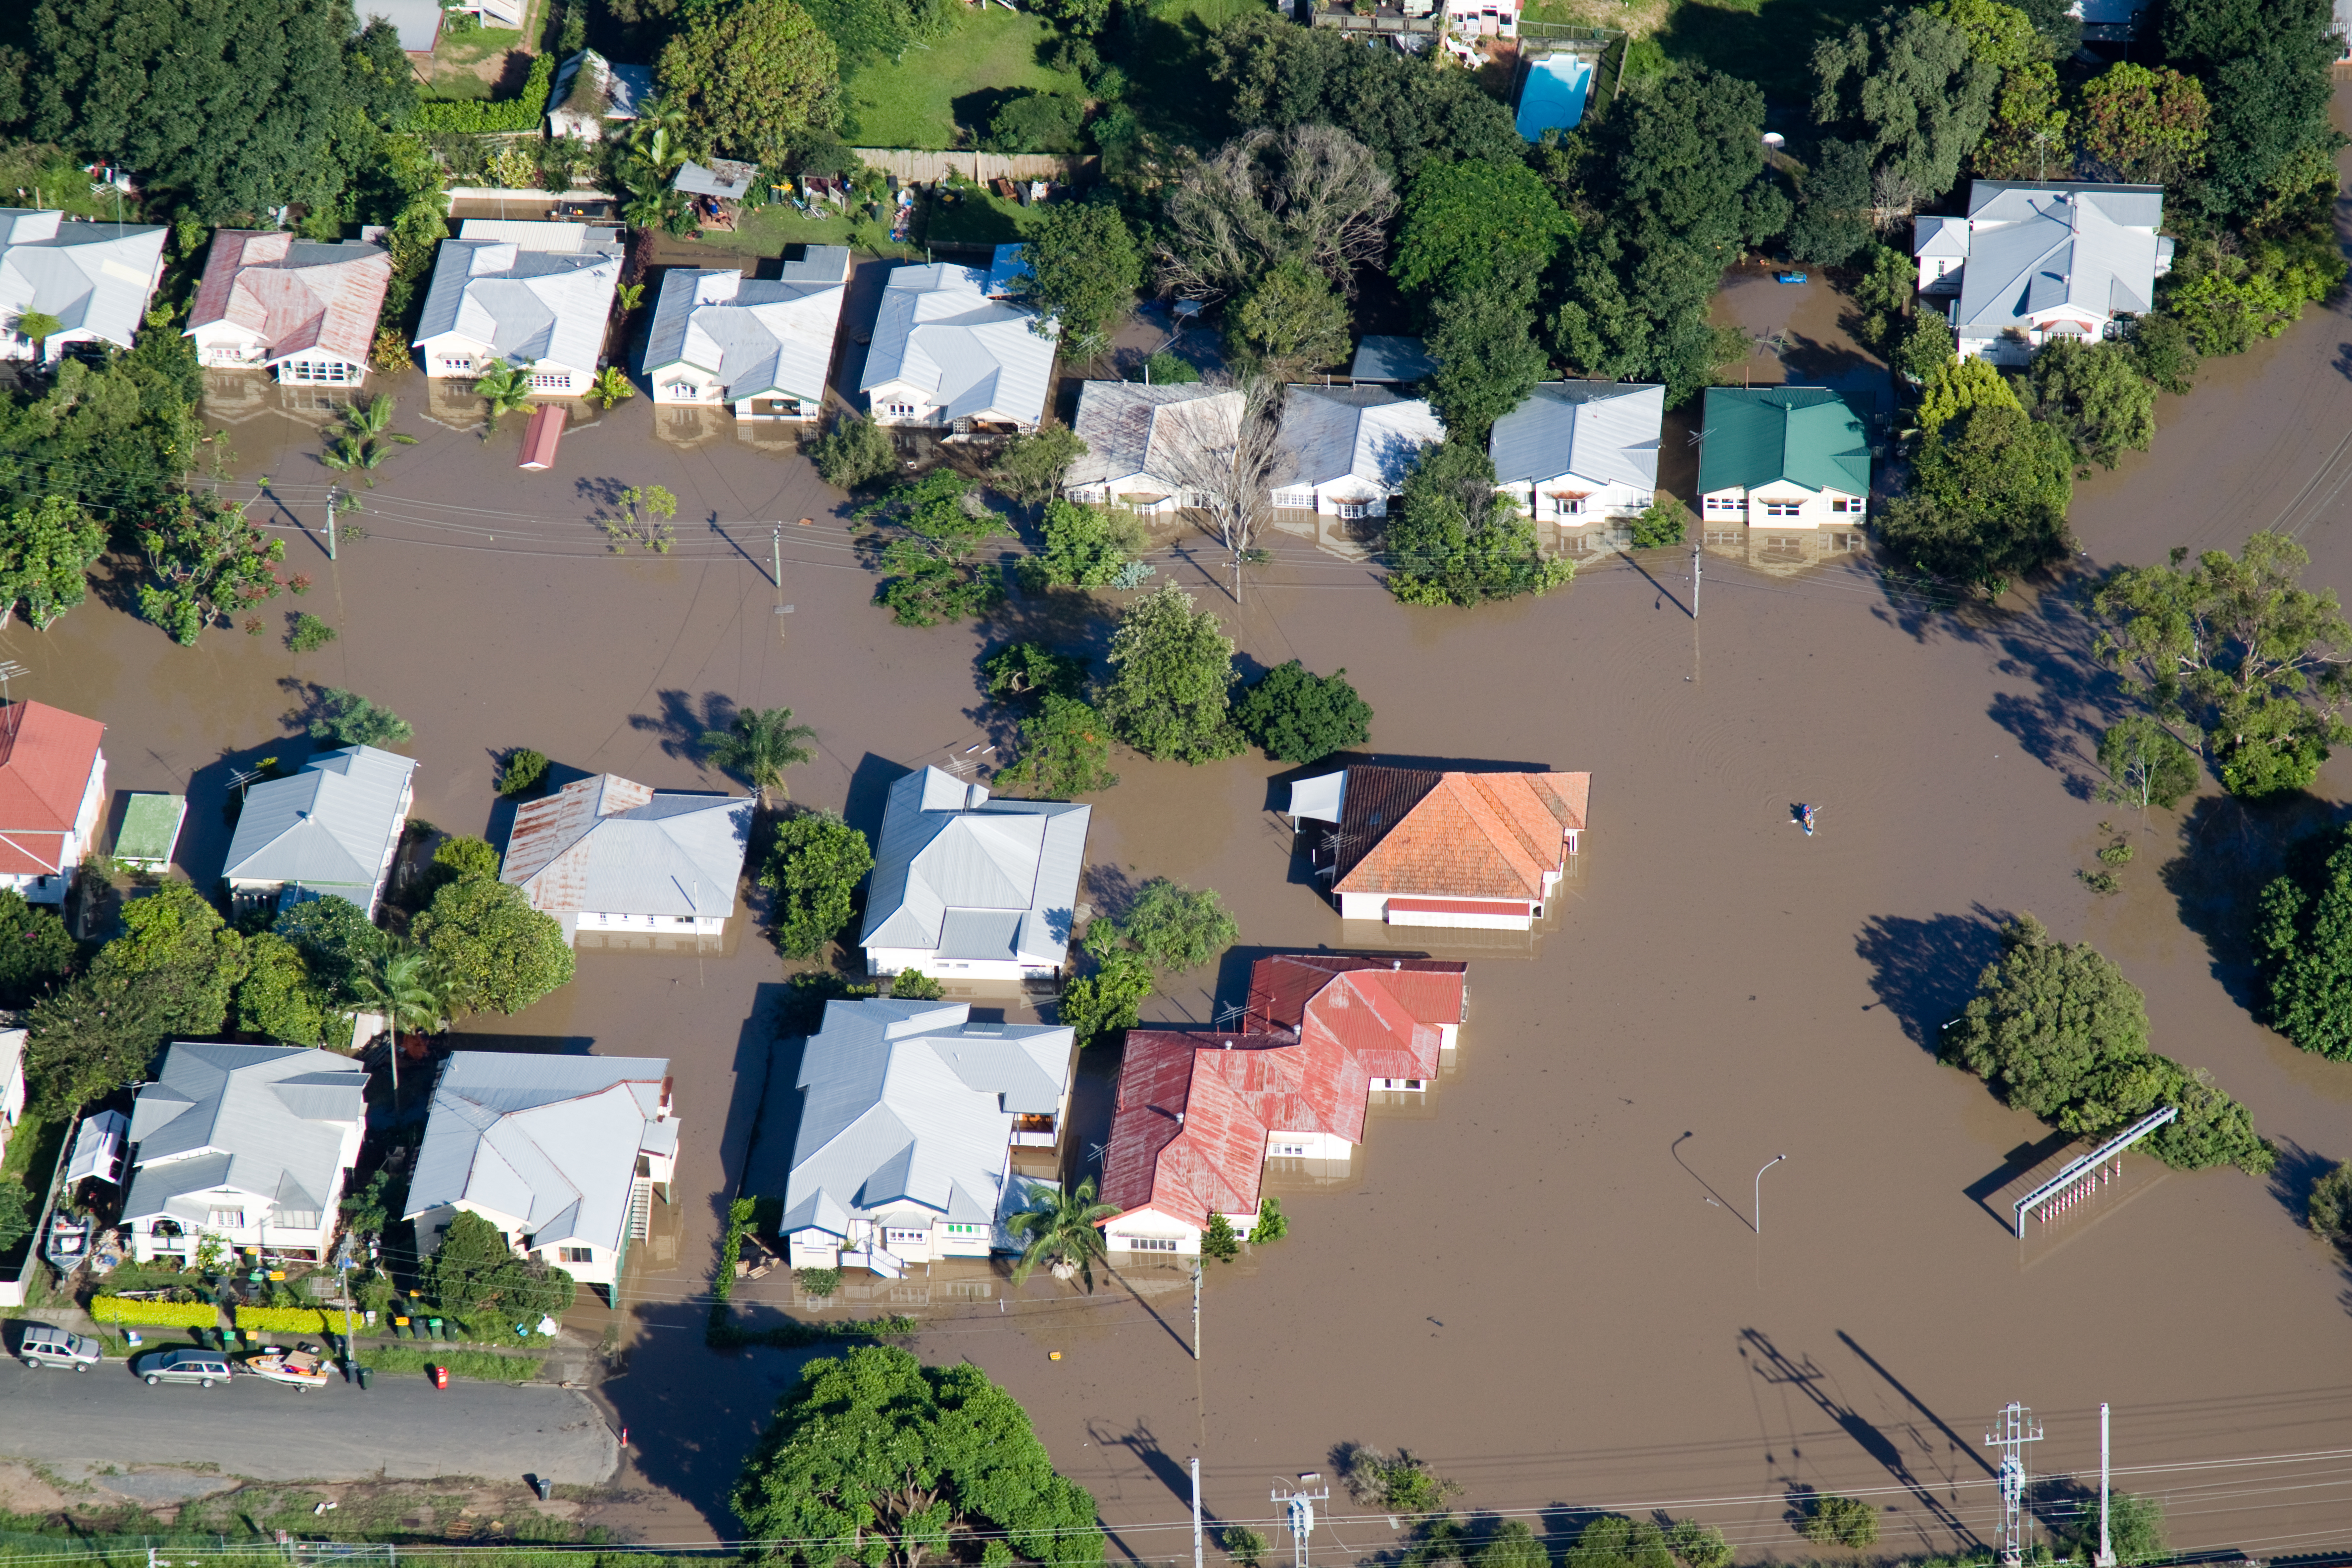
[(159, 1315), (283, 1320), (474, 116)]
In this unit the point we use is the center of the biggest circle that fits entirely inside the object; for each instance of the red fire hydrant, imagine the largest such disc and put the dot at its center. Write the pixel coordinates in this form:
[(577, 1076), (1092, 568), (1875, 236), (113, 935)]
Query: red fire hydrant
[(440, 1377)]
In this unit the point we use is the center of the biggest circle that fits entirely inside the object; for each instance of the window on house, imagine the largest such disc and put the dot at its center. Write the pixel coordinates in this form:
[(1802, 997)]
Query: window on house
[(901, 410), (226, 1219), (1783, 507), (1146, 1243), (1298, 1151), (906, 1237), (963, 1230), (1722, 504), (552, 382), (1840, 503), (458, 366), (576, 1254)]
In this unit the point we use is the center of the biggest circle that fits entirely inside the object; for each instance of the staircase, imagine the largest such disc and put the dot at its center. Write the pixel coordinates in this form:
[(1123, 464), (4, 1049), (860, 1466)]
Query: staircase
[(640, 1203)]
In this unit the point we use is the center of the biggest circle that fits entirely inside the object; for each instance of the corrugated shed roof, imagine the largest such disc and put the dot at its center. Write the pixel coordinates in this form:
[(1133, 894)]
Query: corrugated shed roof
[(47, 756), (1465, 835), (1603, 431), (1155, 433), (725, 178), (1332, 432), (2034, 248), (905, 1101), (550, 1140), (1394, 360), (328, 826), (948, 847), (1385, 1012), (608, 845), (758, 337), (94, 278), (266, 1119), (1183, 1140), (298, 296), (939, 331), (529, 293), (1808, 436)]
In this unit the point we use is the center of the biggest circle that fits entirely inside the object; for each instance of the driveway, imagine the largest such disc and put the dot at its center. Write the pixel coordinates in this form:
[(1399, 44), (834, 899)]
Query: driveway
[(401, 1428)]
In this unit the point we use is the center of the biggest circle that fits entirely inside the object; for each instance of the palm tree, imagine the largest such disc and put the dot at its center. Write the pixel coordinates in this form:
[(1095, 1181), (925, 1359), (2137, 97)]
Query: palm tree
[(760, 745), (407, 985), (503, 387), (1064, 1226)]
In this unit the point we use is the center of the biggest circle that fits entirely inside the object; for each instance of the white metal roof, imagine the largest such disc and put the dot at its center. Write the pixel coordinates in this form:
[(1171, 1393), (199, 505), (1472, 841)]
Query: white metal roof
[(1153, 433), (2036, 248), (606, 845), (1334, 432), (1318, 799), (94, 278), (1606, 432), (328, 827), (529, 293), (939, 333), (758, 336), (264, 1120), (961, 875), (912, 1102)]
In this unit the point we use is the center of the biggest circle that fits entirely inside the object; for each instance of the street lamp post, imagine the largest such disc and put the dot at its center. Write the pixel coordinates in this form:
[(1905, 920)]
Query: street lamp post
[(1760, 1191)]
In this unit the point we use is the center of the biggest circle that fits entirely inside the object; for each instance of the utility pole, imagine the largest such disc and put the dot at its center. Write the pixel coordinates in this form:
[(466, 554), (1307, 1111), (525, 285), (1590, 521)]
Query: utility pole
[(1196, 1311), (330, 523), (2012, 1429), (1196, 1511), (2107, 1557), (776, 555), (1298, 1508)]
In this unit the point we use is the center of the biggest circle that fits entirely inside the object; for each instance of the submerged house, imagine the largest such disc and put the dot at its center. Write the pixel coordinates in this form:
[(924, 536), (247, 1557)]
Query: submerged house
[(970, 887), (1152, 449), (948, 355), (93, 280), (1344, 451), (761, 346), (302, 310), (1482, 850), (2031, 261), (1782, 458), (1576, 451), (609, 853), (332, 828), (535, 296)]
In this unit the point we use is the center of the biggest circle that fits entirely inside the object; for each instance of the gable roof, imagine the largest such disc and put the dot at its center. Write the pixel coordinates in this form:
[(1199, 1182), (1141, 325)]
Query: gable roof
[(266, 1119), (2034, 248), (608, 845), (725, 178), (964, 876), (296, 295), (530, 292), (607, 92), (756, 335), (94, 278), (1933, 235), (1164, 433), (939, 331), (1599, 430), (552, 1140), (1331, 433), (1387, 1013), (328, 827), (1183, 1140), (912, 1102), (1808, 436), (1455, 834), (47, 757)]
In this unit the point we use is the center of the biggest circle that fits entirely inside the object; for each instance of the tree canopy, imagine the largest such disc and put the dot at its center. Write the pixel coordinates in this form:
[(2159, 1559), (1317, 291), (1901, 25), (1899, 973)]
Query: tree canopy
[(2303, 947), (757, 77), (929, 575), (1453, 541), (500, 954), (890, 1463), (1911, 87), (1988, 499), (1300, 716), (1084, 269), (36, 952), (2144, 126), (1311, 195), (1168, 694), (814, 866), (474, 1272), (1468, 224), (2096, 395), (1487, 356)]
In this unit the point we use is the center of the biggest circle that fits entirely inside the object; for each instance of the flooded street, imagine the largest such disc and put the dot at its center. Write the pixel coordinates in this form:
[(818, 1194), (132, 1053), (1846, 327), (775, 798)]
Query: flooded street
[(1501, 1285)]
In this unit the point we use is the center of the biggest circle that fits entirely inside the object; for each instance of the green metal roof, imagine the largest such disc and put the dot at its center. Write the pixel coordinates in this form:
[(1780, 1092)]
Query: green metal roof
[(1806, 434), (151, 828)]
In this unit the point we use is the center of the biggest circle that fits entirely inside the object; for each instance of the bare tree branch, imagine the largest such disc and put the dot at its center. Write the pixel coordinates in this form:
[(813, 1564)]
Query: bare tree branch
[(1312, 194)]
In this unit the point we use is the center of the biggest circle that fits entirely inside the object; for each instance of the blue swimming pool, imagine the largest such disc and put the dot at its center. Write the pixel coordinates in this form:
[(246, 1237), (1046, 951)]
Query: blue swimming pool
[(1553, 94)]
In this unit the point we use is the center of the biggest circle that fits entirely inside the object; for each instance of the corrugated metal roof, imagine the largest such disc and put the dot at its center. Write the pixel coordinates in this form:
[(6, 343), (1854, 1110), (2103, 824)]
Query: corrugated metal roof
[(1020, 858), (608, 845), (1939, 236), (939, 332), (1808, 436), (328, 826), (94, 278), (1157, 433), (552, 1140), (529, 293), (1182, 1140), (2034, 248), (758, 337), (298, 296), (725, 178), (1393, 360), (1603, 431), (266, 1119), (1331, 433), (904, 1101), (47, 757)]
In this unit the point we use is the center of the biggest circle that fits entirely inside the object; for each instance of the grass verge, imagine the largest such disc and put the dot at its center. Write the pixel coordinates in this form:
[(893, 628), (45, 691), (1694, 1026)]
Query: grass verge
[(485, 1366), (944, 94)]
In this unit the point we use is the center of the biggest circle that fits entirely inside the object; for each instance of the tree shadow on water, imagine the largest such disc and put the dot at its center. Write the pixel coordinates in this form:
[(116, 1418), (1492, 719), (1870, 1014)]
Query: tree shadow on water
[(1925, 971), (2297, 1172), (2074, 698), (681, 721), (2229, 852)]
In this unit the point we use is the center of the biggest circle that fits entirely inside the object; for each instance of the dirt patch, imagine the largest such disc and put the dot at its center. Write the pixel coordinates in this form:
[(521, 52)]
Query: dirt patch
[(27, 1491)]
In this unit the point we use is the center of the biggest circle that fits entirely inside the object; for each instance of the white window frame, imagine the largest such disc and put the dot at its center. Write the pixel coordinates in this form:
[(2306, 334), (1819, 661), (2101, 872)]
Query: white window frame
[(1784, 509), (1148, 1243), (575, 1254)]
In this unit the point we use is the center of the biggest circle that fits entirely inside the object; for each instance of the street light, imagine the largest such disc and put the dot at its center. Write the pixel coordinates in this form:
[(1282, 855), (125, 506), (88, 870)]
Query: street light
[(1767, 1164)]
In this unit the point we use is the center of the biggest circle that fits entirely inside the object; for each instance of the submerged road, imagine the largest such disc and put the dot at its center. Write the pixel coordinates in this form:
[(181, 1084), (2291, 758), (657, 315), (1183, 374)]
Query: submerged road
[(401, 1428)]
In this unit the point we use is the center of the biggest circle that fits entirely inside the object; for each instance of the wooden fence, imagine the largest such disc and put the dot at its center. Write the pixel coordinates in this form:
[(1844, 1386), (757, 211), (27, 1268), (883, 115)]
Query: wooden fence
[(908, 163)]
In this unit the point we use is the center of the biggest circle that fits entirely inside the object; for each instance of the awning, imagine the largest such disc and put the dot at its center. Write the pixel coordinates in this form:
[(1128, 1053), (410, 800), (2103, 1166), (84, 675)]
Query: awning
[(1318, 800)]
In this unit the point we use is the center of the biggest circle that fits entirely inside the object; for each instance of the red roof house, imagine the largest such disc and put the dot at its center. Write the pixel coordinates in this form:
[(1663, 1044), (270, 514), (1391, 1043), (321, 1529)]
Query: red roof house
[(1413, 848), (1199, 1112), (302, 307), (52, 791)]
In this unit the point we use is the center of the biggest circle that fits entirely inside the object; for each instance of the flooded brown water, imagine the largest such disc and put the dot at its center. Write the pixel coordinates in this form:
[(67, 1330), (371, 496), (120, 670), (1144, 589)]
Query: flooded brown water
[(1501, 1283)]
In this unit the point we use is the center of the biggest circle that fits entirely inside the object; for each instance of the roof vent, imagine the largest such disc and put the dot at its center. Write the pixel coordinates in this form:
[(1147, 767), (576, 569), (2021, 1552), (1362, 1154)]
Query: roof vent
[(1229, 1044), (1396, 963)]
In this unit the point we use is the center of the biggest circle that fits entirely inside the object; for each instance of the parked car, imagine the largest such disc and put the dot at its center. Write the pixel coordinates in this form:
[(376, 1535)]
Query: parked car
[(42, 1346), (201, 1367)]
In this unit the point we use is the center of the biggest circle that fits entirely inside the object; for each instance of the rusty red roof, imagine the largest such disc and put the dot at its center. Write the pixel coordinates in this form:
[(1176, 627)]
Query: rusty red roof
[(548, 849), (1456, 834), (1182, 1141), (298, 296), (1387, 1013), (47, 756)]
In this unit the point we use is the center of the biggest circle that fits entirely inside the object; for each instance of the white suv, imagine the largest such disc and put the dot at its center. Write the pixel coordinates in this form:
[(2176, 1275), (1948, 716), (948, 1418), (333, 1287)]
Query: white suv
[(42, 1346)]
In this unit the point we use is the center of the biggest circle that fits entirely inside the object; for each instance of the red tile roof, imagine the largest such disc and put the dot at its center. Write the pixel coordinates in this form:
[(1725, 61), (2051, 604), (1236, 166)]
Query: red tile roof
[(1456, 834), (46, 759), (330, 306)]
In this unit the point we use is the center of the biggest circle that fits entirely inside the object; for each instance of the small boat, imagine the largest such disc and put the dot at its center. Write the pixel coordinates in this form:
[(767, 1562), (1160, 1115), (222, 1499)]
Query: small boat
[(1789, 278), (68, 1241), (298, 1368)]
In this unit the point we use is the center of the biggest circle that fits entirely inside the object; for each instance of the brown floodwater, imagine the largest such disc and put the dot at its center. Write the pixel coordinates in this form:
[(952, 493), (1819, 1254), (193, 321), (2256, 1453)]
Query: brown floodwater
[(1500, 1282)]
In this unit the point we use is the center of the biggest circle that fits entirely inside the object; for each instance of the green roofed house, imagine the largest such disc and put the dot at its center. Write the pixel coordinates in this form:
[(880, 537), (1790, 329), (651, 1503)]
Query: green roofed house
[(1782, 458), (151, 830)]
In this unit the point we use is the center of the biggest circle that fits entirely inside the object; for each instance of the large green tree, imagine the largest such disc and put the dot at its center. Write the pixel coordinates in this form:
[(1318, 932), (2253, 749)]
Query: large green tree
[(1083, 268), (475, 1270), (937, 524), (47, 550), (175, 941), (1452, 540), (1468, 224), (36, 952), (117, 436), (1300, 716), (1911, 87), (1832, 217), (280, 998), (2058, 1031), (2265, 65), (1312, 194), (1289, 322), (335, 939), (500, 955), (877, 1458), (1064, 750), (2096, 394), (230, 106), (2234, 650), (2303, 947), (2146, 126), (1988, 499), (1488, 360), (814, 866), (205, 562), (1168, 694), (757, 744), (756, 78)]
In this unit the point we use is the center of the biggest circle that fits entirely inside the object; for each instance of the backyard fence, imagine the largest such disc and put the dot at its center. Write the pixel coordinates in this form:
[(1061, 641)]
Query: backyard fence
[(909, 164)]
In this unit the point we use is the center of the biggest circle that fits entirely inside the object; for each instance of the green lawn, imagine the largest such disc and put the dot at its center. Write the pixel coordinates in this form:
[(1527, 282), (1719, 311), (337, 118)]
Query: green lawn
[(944, 94), (1769, 42), (1167, 69)]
